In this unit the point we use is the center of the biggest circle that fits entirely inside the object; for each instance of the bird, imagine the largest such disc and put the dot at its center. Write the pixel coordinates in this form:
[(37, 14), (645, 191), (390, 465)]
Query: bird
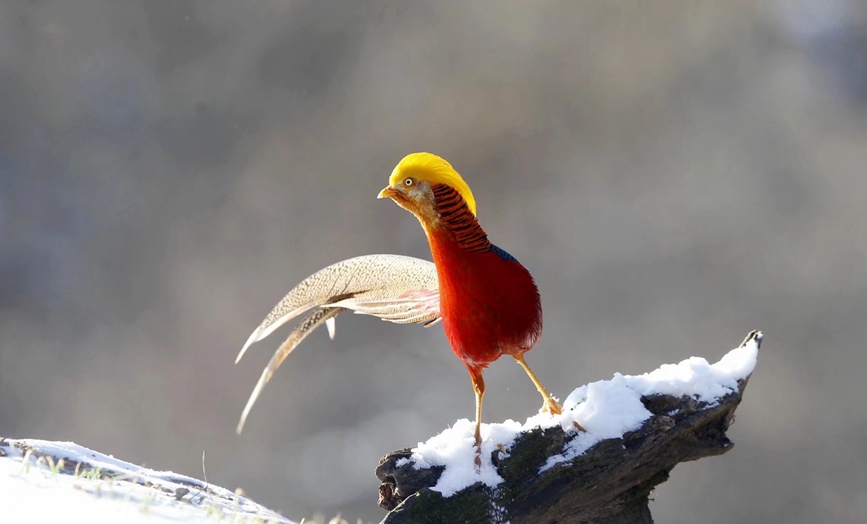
[(487, 301)]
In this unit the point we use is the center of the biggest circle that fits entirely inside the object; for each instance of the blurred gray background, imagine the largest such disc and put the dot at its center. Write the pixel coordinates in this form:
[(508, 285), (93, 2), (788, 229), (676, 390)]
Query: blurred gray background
[(673, 173)]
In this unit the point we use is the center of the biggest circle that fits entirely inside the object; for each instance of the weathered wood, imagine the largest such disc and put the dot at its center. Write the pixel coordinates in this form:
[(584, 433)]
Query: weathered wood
[(608, 484)]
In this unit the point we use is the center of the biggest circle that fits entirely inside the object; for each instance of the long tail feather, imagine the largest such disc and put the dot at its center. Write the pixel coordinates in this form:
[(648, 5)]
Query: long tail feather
[(392, 287), (391, 282), (311, 322)]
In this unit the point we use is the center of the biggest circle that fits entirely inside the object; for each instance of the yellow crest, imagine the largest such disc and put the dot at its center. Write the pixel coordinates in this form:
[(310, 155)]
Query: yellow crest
[(434, 170)]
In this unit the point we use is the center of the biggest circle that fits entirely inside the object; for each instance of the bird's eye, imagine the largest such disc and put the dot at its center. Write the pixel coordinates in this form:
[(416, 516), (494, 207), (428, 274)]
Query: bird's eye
[(407, 182)]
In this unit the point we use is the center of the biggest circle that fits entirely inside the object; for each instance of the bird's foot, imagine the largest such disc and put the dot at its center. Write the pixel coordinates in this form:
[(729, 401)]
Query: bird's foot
[(478, 460), (551, 407), (478, 436)]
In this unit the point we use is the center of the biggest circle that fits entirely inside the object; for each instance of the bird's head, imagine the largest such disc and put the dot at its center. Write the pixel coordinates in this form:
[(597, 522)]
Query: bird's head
[(412, 181)]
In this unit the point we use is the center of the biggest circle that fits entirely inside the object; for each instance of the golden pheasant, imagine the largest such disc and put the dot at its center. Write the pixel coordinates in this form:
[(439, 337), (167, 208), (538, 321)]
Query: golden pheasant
[(488, 302)]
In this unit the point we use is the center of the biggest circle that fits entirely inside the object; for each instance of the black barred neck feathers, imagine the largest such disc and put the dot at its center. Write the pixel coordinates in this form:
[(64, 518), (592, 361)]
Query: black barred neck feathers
[(455, 215)]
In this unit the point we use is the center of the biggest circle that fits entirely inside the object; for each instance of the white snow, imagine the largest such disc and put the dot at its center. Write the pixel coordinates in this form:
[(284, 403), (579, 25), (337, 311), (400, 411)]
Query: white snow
[(34, 489), (606, 409)]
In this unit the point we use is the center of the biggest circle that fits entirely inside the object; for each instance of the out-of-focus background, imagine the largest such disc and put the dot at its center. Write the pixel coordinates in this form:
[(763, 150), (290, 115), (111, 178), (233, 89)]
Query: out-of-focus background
[(673, 173)]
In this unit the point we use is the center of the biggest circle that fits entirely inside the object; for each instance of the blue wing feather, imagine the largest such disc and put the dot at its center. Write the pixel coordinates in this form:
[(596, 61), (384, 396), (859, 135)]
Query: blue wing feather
[(503, 254)]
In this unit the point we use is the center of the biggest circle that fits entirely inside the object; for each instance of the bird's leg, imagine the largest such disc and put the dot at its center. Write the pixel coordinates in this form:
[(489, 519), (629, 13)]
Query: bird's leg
[(549, 405), (479, 388)]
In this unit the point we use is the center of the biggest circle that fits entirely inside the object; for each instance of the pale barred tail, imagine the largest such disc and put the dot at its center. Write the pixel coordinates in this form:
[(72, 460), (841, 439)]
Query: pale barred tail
[(392, 287), (311, 322)]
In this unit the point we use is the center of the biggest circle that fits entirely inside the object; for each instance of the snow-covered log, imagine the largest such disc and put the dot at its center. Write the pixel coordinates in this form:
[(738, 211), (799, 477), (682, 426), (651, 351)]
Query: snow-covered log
[(547, 471)]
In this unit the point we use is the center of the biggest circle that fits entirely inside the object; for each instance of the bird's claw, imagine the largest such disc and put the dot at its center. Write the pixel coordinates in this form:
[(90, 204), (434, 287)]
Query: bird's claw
[(551, 407), (478, 436)]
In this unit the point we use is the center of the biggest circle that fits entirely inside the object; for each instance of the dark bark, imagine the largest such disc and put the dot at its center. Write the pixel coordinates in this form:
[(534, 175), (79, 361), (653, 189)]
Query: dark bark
[(608, 484)]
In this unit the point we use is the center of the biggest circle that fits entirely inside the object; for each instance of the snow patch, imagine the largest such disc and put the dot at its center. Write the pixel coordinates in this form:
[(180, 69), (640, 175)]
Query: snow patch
[(103, 489)]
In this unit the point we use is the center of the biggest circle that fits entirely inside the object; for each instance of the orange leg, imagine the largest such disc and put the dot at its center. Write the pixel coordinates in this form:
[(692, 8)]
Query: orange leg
[(549, 405), (479, 388)]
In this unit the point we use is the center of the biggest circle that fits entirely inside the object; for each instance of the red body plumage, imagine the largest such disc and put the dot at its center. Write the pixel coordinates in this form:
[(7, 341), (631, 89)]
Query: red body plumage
[(489, 303)]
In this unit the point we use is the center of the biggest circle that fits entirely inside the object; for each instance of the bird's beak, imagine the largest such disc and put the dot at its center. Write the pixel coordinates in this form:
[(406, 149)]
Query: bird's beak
[(388, 192)]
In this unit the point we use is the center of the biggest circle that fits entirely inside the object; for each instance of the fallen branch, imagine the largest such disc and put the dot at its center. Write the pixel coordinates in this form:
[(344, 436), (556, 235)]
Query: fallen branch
[(608, 482)]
